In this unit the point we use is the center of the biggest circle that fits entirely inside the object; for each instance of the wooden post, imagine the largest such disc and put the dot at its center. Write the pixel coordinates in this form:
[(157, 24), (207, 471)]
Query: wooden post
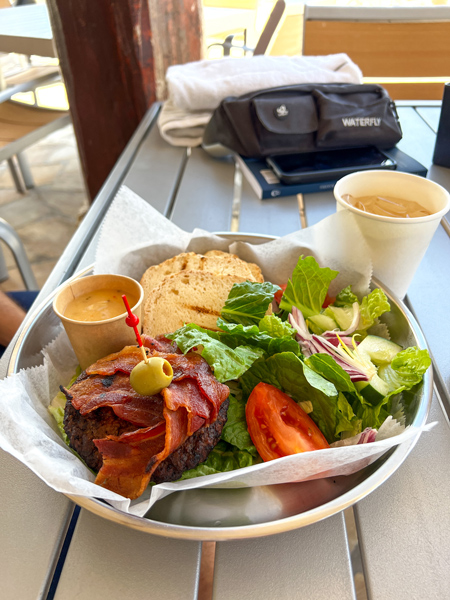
[(108, 60), (177, 27)]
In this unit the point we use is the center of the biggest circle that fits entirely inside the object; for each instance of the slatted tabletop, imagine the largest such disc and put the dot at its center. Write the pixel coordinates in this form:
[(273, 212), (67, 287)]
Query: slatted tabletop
[(50, 551)]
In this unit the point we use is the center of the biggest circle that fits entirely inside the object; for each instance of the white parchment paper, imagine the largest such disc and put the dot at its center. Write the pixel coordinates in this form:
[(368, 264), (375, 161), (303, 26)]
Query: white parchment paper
[(133, 237)]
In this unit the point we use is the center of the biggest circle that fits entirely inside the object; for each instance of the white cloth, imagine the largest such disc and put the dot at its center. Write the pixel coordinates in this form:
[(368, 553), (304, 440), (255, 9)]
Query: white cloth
[(182, 127), (197, 88), (204, 84)]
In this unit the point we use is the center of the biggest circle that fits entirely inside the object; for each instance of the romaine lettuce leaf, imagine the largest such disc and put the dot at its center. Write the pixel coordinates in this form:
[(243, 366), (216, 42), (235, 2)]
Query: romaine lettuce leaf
[(57, 413), (235, 430), (345, 297), (58, 405), (406, 369), (308, 287), (222, 458), (348, 423), (326, 366), (275, 327), (247, 302), (372, 306), (270, 339), (371, 416), (227, 363)]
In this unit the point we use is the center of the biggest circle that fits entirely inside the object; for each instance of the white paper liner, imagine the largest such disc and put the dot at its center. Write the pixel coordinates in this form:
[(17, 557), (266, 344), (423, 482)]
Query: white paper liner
[(133, 237)]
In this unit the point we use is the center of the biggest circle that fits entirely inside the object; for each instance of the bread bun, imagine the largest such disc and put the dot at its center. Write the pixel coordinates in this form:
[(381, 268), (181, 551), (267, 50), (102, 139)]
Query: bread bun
[(187, 297)]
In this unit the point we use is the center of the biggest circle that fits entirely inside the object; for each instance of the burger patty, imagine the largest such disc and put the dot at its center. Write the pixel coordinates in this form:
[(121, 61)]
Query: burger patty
[(82, 430)]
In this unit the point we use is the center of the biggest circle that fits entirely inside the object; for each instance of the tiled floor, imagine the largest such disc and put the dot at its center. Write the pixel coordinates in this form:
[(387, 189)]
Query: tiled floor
[(48, 215)]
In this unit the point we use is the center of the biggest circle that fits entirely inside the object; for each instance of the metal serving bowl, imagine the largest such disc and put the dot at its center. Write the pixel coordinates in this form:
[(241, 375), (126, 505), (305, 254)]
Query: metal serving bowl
[(225, 514)]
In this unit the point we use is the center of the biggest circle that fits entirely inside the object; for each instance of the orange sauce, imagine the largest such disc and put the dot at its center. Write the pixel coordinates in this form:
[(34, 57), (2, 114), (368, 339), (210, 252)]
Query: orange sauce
[(98, 305), (387, 206)]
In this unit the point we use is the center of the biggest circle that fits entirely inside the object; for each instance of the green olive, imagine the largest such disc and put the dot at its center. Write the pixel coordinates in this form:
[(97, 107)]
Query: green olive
[(149, 378)]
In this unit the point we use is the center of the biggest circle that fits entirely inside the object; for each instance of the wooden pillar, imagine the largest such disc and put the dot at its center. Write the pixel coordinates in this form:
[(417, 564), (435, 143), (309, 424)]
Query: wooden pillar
[(177, 36), (108, 60)]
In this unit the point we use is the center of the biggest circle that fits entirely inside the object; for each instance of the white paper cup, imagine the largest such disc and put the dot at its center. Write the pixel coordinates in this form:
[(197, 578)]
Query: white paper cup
[(397, 245), (92, 340)]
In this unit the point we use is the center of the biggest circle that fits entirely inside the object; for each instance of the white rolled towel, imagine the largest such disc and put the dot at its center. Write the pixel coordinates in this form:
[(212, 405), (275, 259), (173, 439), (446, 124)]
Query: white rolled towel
[(204, 84)]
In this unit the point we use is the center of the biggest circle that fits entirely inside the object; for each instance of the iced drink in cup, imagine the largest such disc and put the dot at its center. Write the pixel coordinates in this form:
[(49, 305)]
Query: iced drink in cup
[(397, 244)]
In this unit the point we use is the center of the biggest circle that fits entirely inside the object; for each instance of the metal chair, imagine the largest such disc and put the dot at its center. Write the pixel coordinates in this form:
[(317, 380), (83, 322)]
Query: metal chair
[(404, 49), (22, 125), (9, 236), (265, 37)]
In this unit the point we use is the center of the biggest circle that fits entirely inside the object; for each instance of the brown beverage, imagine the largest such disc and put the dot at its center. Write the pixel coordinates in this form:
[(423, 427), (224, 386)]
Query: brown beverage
[(387, 206)]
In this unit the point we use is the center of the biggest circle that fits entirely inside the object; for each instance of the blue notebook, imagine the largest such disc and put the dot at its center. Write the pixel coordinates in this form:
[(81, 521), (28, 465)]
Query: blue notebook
[(266, 184)]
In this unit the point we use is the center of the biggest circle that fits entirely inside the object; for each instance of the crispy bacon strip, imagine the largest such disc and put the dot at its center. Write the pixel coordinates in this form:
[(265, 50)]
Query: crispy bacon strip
[(123, 361), (116, 392), (127, 457), (130, 459), (186, 394)]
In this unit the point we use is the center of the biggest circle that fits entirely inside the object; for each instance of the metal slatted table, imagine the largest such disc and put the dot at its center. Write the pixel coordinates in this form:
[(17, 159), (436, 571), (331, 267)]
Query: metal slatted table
[(51, 550)]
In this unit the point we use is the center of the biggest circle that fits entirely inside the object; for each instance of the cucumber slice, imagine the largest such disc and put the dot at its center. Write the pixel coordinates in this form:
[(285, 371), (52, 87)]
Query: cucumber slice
[(323, 322), (374, 390), (378, 349)]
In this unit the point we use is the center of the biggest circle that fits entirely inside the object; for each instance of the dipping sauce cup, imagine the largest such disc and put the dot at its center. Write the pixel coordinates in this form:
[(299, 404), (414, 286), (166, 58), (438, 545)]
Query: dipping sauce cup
[(397, 245), (89, 301)]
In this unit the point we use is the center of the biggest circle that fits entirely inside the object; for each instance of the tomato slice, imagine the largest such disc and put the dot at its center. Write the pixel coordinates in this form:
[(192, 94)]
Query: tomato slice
[(278, 295), (328, 300), (278, 426)]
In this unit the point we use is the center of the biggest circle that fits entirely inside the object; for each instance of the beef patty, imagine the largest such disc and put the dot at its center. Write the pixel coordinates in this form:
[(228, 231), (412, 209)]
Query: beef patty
[(82, 430)]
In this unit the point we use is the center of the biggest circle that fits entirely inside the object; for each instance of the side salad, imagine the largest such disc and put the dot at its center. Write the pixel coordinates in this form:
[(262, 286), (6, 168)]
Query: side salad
[(313, 357)]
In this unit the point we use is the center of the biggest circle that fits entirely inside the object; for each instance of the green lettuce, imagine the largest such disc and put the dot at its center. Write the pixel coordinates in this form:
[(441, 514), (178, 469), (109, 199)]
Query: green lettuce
[(227, 363), (57, 413), (235, 430), (308, 287), (372, 306), (406, 369), (58, 405), (222, 458), (346, 297), (247, 302), (273, 335), (325, 365)]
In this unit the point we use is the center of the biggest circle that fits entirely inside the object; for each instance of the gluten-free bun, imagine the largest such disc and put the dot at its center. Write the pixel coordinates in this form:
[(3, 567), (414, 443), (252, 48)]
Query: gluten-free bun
[(191, 288), (187, 297)]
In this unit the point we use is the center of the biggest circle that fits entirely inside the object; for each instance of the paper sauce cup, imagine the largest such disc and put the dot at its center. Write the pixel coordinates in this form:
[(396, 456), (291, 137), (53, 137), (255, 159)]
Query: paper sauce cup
[(92, 340), (397, 245)]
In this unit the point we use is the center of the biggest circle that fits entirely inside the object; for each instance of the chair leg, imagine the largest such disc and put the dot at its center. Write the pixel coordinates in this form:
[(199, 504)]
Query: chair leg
[(13, 241), (16, 174), (25, 170), (4, 275)]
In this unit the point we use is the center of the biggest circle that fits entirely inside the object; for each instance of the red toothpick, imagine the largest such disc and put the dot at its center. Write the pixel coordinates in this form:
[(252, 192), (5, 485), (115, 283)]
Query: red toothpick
[(133, 321)]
